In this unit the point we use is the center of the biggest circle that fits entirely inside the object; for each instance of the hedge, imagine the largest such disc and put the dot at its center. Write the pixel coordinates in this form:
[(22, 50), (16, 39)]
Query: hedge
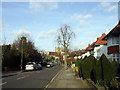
[(104, 65), (88, 66), (100, 71)]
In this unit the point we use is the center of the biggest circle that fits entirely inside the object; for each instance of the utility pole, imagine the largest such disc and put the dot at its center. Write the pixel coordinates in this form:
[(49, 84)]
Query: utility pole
[(22, 56)]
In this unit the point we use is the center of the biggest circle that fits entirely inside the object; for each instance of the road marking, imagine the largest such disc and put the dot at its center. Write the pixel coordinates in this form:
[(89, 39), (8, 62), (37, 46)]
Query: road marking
[(52, 79), (23, 77), (11, 73), (3, 83)]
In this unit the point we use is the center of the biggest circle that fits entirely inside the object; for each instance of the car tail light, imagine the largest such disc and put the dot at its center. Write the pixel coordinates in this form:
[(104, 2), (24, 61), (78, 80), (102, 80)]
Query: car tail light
[(32, 66)]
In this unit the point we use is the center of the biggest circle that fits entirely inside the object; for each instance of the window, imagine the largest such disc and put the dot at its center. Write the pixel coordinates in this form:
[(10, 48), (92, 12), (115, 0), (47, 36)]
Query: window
[(115, 57), (115, 40)]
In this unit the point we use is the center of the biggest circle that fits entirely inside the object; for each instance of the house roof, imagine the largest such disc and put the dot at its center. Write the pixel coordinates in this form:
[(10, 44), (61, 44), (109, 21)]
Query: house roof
[(100, 40), (90, 46), (114, 32)]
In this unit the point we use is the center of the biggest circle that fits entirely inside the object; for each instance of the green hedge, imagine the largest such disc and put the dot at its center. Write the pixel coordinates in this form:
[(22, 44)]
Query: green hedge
[(115, 65), (88, 65), (91, 68), (104, 65), (80, 68)]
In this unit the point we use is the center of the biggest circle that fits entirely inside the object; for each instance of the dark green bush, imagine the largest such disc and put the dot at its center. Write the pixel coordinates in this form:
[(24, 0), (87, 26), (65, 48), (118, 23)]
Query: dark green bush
[(88, 65), (77, 62), (104, 70), (80, 68), (115, 65)]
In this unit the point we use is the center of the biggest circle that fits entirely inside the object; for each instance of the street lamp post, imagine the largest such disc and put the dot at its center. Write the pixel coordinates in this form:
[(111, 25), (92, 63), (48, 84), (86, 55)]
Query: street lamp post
[(22, 56)]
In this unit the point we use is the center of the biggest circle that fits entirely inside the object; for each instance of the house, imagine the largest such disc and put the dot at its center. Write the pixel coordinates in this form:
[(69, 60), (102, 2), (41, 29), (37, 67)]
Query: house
[(97, 48), (88, 51), (113, 46), (100, 47)]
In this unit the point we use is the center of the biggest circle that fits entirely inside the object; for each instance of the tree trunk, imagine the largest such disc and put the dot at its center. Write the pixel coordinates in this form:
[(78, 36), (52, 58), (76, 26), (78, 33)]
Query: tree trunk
[(65, 61)]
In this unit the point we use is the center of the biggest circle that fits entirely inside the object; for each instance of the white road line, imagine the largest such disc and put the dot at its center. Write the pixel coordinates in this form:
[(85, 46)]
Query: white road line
[(23, 77), (3, 83)]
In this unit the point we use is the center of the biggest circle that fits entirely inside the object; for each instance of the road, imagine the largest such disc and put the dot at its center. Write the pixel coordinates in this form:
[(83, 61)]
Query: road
[(31, 79)]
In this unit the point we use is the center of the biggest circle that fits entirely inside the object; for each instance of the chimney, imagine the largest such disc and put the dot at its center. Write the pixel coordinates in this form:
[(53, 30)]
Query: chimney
[(103, 34)]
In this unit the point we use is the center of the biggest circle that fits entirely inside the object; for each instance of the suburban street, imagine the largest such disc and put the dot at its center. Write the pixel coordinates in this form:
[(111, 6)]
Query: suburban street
[(31, 79), (60, 44)]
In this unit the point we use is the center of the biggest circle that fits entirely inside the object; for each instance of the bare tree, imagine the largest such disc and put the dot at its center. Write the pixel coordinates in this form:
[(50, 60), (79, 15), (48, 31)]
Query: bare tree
[(64, 38)]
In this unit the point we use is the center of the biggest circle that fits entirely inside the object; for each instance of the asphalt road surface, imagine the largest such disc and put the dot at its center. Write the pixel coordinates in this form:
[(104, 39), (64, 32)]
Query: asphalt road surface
[(31, 79)]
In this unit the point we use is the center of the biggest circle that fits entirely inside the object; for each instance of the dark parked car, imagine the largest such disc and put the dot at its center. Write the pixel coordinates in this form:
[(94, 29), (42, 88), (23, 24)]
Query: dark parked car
[(39, 66)]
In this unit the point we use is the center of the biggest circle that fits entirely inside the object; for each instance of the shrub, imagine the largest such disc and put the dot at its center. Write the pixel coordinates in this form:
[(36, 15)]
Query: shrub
[(104, 70), (77, 62), (113, 84), (80, 69), (88, 65), (115, 66)]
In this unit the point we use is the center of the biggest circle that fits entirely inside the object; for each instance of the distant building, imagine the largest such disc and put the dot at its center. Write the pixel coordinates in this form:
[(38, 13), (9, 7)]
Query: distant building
[(113, 38), (52, 53), (58, 49)]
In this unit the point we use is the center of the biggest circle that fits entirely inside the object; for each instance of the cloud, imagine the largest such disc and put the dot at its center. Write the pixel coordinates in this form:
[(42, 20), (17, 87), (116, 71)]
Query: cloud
[(104, 4), (41, 6), (80, 19), (107, 6), (112, 8), (47, 34), (80, 16), (21, 32)]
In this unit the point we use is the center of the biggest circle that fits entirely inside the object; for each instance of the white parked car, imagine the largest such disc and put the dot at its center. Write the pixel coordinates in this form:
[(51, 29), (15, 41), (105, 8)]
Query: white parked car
[(31, 66), (48, 65)]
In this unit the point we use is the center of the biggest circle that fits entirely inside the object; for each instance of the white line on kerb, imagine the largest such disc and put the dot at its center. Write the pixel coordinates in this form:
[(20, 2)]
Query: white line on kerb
[(23, 77), (3, 83)]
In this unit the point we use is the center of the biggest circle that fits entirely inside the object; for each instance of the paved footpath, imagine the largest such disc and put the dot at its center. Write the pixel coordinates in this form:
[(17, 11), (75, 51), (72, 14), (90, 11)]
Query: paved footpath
[(67, 79)]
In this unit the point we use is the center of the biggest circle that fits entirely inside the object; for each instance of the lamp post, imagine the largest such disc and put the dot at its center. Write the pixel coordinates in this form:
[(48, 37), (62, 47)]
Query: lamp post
[(22, 56)]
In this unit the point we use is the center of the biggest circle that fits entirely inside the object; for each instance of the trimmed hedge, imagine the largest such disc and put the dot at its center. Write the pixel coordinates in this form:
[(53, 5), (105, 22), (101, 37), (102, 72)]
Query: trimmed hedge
[(115, 66), (80, 69), (100, 71), (88, 65), (104, 70)]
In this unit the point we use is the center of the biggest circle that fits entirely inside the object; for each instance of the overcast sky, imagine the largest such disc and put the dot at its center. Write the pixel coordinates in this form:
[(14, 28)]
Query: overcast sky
[(42, 20)]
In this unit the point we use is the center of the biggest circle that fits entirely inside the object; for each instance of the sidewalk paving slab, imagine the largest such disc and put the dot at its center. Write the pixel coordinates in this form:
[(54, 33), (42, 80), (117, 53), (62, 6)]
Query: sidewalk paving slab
[(67, 79)]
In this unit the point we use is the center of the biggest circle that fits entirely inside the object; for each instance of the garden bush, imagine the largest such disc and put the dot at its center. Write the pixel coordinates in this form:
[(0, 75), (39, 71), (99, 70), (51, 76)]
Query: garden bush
[(80, 68), (115, 66), (104, 70), (88, 66)]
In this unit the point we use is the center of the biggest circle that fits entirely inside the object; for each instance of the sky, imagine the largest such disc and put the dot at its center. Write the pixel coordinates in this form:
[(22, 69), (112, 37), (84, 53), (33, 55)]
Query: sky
[(42, 20)]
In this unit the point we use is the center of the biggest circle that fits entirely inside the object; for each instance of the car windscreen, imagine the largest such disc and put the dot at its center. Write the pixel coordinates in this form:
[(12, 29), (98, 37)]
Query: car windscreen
[(29, 63)]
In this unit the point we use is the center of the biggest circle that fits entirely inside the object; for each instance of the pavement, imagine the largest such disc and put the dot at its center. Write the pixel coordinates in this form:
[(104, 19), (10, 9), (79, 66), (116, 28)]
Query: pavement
[(67, 79), (9, 73)]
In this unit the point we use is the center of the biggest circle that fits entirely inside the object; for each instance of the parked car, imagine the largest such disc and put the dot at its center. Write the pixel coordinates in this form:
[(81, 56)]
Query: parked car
[(39, 66), (49, 64), (31, 66)]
